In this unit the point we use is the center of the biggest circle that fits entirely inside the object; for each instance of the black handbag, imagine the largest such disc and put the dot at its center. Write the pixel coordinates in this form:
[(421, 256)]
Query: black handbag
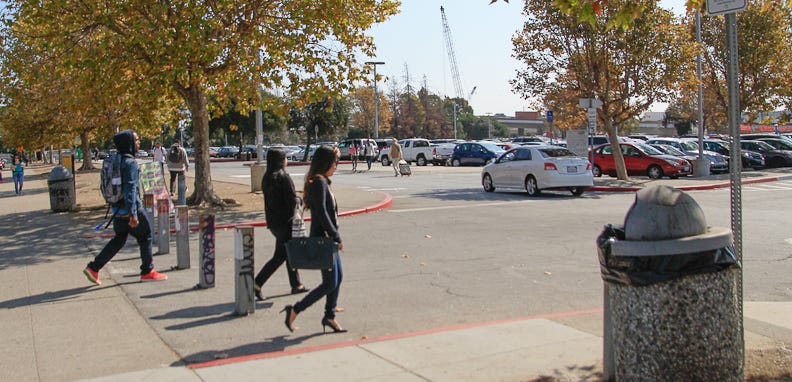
[(312, 253)]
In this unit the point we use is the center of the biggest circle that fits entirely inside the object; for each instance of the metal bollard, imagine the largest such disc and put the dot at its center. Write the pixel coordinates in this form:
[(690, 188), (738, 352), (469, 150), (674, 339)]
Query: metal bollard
[(148, 207), (182, 237), (206, 252), (181, 189), (163, 226), (243, 267)]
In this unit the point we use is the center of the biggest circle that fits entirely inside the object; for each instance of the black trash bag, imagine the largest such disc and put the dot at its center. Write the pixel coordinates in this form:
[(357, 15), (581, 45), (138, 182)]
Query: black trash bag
[(647, 270)]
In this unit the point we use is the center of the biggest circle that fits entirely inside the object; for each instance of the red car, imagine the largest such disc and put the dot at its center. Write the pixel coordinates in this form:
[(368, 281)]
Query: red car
[(639, 159)]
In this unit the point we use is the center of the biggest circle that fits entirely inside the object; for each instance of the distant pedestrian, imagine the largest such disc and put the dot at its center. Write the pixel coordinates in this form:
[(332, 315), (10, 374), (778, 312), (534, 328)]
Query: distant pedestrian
[(324, 223), (178, 165), (129, 218), (370, 150), (18, 173), (395, 155), (280, 201), (159, 156), (353, 154)]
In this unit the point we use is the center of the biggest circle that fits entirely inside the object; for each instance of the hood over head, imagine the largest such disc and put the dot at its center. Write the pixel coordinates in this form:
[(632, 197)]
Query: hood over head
[(275, 157), (125, 142)]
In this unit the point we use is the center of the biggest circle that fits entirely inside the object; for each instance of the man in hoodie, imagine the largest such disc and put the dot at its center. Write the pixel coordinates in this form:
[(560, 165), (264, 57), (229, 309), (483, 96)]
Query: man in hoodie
[(128, 215)]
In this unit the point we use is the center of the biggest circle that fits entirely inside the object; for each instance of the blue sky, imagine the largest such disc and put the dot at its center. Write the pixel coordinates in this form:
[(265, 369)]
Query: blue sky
[(481, 35)]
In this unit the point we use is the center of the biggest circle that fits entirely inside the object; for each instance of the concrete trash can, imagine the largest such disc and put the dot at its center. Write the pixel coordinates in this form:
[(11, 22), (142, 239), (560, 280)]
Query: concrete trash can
[(257, 171), (61, 189), (671, 307)]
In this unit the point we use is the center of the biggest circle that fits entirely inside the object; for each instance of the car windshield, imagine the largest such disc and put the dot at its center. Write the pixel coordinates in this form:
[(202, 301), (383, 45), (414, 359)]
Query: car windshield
[(553, 152), (780, 144), (491, 146), (764, 145), (670, 150), (689, 145), (648, 150)]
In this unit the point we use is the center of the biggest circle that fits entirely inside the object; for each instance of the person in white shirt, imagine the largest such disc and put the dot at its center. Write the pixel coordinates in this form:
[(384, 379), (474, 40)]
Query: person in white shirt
[(159, 156)]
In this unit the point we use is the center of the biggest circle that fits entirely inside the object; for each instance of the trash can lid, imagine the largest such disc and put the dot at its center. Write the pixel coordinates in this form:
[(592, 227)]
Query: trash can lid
[(59, 173), (663, 213)]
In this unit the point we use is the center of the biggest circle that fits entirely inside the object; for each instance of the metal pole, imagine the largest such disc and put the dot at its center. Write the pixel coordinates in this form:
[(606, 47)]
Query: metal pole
[(702, 163), (259, 136), (376, 97), (455, 120), (243, 267), (736, 160), (376, 105), (182, 237), (163, 226)]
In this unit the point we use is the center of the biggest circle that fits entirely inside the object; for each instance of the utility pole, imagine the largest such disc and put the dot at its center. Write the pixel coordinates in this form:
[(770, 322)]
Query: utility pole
[(376, 97)]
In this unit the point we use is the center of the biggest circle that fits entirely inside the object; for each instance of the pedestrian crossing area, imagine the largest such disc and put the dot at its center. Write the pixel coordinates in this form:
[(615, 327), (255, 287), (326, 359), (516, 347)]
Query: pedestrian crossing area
[(763, 187)]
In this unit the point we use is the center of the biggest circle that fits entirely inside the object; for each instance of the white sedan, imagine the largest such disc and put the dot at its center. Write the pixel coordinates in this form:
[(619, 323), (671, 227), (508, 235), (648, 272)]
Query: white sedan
[(537, 168)]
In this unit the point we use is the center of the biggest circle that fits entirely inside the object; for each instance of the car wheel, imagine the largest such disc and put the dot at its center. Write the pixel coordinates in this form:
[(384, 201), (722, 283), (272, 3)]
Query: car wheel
[(596, 171), (487, 183), (385, 162), (654, 172), (531, 187), (577, 191), (420, 161), (455, 162)]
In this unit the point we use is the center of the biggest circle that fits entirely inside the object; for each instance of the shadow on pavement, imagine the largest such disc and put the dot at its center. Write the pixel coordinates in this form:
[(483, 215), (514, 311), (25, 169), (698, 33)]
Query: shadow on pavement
[(36, 237), (275, 344)]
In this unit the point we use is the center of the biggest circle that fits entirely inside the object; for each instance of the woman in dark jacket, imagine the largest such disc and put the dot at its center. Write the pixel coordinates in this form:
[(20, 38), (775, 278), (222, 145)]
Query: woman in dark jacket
[(324, 223), (280, 201)]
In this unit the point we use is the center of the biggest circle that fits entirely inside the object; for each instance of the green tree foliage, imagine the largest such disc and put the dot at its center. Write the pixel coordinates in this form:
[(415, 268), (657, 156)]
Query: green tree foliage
[(362, 111), (764, 39), (627, 69), (321, 119), (224, 49)]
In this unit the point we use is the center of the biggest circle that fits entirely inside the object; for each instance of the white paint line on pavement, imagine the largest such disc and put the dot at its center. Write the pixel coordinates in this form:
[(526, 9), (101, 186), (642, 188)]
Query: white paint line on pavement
[(460, 206), (239, 176)]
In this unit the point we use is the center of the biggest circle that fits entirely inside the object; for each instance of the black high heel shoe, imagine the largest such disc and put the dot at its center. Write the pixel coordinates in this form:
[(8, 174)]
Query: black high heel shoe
[(299, 289), (257, 291), (333, 325), (288, 321)]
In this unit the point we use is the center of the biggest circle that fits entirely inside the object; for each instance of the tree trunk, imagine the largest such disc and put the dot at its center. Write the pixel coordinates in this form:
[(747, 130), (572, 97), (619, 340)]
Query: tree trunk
[(618, 158), (85, 144), (203, 192)]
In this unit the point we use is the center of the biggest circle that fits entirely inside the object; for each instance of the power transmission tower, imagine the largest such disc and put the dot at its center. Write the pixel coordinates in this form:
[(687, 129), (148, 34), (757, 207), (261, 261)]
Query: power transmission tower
[(451, 55)]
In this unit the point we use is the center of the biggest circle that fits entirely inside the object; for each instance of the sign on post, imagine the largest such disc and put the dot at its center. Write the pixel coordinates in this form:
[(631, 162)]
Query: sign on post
[(719, 7)]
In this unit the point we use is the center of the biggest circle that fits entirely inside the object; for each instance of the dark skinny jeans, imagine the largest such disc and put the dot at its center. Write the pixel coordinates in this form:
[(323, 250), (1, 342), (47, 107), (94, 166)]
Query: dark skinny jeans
[(278, 258), (331, 284), (122, 230)]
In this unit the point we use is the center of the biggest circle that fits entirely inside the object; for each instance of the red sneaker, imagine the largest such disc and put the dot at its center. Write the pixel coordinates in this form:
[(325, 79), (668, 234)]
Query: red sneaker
[(92, 275), (153, 276)]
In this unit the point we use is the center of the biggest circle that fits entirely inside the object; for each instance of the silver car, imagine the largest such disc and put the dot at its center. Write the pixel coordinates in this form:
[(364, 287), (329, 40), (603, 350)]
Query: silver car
[(537, 168)]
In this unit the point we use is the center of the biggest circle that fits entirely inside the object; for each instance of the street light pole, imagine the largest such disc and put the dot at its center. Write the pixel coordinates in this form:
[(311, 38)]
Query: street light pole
[(376, 97)]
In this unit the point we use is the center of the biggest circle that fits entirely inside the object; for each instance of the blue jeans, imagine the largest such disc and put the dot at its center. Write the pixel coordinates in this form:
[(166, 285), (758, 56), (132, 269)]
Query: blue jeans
[(19, 180), (122, 230), (331, 283)]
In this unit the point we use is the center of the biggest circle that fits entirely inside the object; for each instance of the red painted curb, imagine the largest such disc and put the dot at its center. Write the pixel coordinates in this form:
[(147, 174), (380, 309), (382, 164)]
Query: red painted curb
[(282, 353), (385, 203)]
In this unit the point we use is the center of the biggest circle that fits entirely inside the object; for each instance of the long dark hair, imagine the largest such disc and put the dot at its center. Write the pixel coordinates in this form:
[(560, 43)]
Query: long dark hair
[(324, 158)]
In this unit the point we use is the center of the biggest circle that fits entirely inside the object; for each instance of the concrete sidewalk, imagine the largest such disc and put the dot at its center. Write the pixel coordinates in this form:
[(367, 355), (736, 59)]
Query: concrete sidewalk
[(57, 327)]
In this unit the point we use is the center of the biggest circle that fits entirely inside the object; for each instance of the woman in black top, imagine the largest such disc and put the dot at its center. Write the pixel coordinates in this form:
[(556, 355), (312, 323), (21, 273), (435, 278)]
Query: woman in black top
[(280, 201), (324, 222)]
